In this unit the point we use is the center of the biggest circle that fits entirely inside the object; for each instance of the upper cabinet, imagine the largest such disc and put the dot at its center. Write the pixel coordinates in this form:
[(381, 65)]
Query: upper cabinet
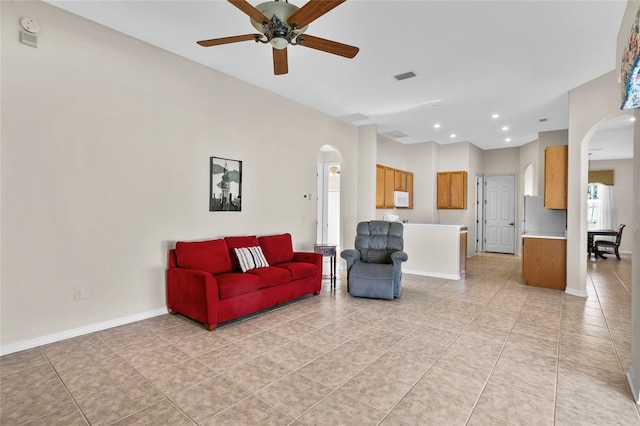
[(555, 176), (388, 180), (452, 190), (400, 180)]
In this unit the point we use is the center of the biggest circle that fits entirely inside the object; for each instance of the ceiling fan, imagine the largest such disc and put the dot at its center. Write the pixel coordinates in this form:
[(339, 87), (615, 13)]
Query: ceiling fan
[(281, 24)]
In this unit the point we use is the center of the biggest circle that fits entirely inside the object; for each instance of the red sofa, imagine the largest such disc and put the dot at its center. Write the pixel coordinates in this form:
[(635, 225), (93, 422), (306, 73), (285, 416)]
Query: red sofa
[(205, 282)]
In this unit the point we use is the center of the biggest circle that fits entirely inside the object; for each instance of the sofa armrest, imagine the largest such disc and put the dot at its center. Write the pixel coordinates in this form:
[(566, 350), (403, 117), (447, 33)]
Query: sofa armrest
[(194, 294), (309, 257)]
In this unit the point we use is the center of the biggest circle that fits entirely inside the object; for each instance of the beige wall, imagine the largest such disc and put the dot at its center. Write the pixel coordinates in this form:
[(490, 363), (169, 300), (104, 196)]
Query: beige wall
[(421, 159), (500, 161), (105, 164)]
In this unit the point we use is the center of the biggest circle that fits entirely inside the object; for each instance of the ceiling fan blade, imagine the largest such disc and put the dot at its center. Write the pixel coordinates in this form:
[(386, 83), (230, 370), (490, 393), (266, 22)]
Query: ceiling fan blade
[(312, 11), (280, 63), (227, 40), (253, 13), (328, 46)]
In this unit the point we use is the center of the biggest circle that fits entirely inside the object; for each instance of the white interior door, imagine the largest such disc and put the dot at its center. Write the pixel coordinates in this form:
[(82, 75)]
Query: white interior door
[(499, 213)]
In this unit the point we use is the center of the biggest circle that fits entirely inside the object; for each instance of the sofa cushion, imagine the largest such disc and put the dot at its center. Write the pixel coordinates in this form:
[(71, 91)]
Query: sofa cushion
[(238, 242), (277, 248), (299, 270), (271, 276), (210, 256), (250, 258), (235, 284)]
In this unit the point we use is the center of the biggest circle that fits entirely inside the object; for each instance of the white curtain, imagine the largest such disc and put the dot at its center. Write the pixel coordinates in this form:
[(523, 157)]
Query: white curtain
[(607, 211)]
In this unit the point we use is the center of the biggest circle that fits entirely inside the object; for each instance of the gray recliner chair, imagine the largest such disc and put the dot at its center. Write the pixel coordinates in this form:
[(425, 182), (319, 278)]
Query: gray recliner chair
[(374, 266)]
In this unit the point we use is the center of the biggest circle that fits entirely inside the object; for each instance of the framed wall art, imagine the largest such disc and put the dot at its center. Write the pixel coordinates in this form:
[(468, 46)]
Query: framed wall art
[(225, 182)]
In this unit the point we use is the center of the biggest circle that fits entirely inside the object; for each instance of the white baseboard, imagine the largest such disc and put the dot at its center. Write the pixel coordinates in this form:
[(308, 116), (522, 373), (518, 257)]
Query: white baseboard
[(80, 331), (431, 274), (633, 385), (579, 293)]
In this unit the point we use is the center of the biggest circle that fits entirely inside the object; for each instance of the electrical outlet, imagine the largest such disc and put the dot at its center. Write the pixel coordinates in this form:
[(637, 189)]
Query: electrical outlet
[(80, 294)]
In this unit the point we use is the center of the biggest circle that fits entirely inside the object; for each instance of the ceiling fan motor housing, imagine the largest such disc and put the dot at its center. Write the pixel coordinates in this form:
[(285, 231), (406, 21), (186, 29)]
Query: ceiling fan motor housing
[(278, 32)]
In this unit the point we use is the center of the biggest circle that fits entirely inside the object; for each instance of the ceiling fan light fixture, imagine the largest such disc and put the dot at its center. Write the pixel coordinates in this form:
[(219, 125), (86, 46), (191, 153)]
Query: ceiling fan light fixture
[(279, 43)]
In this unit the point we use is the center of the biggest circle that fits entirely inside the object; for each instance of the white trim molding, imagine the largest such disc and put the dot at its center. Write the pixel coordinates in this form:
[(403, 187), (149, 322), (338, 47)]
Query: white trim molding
[(633, 385), (80, 331), (574, 292)]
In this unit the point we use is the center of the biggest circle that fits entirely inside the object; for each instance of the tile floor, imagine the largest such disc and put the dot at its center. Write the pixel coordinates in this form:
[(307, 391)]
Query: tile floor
[(486, 350)]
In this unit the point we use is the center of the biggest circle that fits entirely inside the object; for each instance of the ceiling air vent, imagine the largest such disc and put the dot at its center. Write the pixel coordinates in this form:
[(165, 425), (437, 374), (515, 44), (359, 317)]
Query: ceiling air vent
[(354, 118), (29, 39), (394, 134), (405, 76)]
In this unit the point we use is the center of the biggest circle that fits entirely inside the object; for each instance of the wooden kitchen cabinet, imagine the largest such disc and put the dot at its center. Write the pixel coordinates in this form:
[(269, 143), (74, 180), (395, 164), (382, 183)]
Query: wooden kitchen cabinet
[(380, 186), (544, 262), (410, 188), (555, 176), (385, 184), (388, 180), (389, 185), (463, 251), (400, 180), (452, 190)]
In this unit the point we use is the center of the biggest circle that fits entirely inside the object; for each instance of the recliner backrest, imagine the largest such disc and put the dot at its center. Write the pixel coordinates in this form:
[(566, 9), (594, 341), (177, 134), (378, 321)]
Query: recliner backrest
[(377, 239)]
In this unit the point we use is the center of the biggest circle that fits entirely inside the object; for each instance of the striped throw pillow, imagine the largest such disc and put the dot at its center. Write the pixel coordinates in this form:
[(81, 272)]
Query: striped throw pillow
[(250, 258)]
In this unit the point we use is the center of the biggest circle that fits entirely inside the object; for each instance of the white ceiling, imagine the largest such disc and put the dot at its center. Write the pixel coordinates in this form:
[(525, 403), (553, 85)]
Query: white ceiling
[(472, 59)]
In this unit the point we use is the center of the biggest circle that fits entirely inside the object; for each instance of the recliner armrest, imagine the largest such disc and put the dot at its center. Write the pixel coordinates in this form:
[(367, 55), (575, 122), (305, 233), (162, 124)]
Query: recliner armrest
[(351, 256), (399, 256)]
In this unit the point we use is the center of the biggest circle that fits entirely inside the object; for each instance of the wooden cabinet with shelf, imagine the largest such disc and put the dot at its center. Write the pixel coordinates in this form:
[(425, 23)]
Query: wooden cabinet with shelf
[(388, 180), (544, 262), (555, 176), (410, 188), (400, 180), (452, 190)]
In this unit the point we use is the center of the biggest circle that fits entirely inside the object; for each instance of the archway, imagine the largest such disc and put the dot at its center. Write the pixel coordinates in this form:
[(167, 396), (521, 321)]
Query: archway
[(328, 201), (610, 175), (529, 180)]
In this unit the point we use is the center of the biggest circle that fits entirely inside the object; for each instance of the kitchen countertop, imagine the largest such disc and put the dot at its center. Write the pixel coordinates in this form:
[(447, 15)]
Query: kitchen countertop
[(549, 235), (456, 225)]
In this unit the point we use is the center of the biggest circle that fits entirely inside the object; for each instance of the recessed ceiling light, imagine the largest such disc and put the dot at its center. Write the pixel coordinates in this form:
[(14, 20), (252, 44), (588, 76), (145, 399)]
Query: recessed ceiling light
[(632, 119), (507, 140), (452, 135), (495, 115), (436, 126), (505, 128)]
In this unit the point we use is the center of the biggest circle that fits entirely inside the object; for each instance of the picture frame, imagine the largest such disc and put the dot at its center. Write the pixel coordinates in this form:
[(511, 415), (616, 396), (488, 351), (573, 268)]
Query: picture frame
[(225, 185)]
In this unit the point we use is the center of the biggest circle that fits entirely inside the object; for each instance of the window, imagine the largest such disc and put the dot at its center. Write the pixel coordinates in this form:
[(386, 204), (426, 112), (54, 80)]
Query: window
[(593, 205), (600, 206)]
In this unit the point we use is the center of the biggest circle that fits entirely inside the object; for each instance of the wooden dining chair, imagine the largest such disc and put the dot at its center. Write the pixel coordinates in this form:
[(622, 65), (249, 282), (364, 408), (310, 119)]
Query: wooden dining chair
[(609, 245)]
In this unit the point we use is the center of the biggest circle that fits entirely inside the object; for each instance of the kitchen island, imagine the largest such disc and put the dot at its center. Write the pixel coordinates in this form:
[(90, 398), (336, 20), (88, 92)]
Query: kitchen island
[(544, 259), (435, 249)]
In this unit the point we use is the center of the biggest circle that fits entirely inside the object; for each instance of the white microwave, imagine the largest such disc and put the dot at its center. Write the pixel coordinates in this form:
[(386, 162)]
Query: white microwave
[(400, 199)]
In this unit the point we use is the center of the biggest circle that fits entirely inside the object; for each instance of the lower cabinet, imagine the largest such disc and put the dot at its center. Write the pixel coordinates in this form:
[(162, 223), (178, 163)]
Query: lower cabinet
[(544, 262), (463, 251)]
